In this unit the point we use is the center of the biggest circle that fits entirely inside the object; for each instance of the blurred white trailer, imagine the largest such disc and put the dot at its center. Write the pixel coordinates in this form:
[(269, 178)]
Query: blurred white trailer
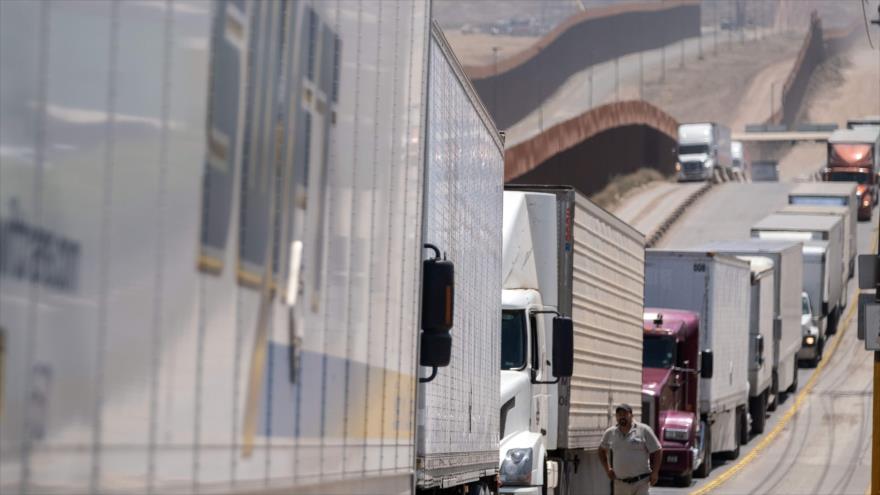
[(211, 229)]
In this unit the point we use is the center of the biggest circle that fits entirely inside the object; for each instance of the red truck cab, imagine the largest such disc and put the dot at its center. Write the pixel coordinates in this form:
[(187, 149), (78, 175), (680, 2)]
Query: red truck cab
[(670, 390), (854, 156)]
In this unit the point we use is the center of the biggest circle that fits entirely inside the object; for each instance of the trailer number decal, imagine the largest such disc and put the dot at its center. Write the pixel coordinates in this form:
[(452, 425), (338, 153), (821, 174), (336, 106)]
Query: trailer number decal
[(699, 267)]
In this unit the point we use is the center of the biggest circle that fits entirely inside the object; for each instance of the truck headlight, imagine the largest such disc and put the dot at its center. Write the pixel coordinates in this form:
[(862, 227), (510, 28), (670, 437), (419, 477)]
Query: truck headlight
[(516, 468), (709, 163), (677, 167), (866, 202), (809, 340), (676, 434)]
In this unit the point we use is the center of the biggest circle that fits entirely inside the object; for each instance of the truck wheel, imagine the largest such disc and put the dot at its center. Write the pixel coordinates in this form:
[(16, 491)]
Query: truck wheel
[(758, 411), (685, 479), (480, 488), (794, 383), (743, 426), (737, 436), (774, 392), (705, 467), (832, 322)]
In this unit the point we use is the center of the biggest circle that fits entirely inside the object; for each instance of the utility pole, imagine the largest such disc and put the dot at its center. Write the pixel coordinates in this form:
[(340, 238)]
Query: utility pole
[(495, 82), (772, 101), (663, 63), (616, 78), (641, 76), (700, 39), (590, 82), (682, 53), (715, 31), (875, 438)]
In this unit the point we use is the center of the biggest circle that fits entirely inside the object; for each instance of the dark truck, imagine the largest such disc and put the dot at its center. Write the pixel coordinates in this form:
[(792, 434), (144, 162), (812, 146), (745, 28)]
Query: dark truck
[(672, 365), (854, 156)]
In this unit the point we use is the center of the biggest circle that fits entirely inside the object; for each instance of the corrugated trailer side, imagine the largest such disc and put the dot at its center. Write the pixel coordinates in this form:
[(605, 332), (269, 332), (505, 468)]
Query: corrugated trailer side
[(607, 303), (458, 412)]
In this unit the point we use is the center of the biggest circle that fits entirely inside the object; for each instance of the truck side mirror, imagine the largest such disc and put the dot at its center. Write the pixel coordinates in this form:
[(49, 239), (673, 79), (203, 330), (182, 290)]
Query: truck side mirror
[(563, 347), (438, 298), (706, 363), (759, 341)]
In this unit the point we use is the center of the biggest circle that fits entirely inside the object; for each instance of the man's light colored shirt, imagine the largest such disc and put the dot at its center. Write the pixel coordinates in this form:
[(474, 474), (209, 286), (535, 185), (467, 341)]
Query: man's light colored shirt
[(631, 452)]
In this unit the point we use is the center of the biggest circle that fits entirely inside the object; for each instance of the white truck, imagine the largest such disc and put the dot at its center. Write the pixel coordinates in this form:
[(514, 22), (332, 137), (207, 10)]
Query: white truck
[(839, 194), (211, 225), (850, 232), (817, 284), (564, 254), (739, 159), (786, 337), (717, 287), (802, 228), (458, 419), (703, 149)]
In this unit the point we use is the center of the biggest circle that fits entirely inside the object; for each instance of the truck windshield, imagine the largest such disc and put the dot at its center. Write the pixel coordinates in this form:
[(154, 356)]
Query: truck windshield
[(513, 339), (658, 352), (692, 149), (850, 154), (849, 177), (818, 200)]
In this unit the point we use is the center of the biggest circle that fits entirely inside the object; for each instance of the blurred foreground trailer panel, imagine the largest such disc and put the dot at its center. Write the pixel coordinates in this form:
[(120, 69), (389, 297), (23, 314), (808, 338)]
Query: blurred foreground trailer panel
[(210, 234)]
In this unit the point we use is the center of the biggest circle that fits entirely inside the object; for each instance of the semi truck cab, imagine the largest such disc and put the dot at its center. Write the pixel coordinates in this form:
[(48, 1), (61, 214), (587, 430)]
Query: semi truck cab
[(702, 148), (524, 404), (670, 389)]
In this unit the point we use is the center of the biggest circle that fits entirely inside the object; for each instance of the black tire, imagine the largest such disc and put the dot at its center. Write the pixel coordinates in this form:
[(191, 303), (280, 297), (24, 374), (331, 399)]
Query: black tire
[(705, 467), (794, 383), (832, 321), (684, 480), (743, 427), (774, 392), (758, 411), (733, 454)]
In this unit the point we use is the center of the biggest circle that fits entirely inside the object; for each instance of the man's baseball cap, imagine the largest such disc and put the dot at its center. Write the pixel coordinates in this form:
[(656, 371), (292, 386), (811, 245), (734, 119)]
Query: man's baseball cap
[(623, 407)]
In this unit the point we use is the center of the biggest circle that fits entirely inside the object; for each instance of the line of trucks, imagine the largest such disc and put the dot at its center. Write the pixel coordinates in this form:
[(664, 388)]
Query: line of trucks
[(263, 247)]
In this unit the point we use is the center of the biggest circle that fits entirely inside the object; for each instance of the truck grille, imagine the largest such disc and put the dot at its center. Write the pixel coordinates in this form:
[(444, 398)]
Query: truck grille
[(692, 168), (649, 415)]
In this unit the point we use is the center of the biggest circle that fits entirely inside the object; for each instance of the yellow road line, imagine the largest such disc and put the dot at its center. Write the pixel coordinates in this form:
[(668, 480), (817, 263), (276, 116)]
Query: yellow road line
[(801, 398)]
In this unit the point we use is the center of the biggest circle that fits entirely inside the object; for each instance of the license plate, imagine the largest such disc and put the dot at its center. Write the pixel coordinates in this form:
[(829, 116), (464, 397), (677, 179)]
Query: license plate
[(672, 458)]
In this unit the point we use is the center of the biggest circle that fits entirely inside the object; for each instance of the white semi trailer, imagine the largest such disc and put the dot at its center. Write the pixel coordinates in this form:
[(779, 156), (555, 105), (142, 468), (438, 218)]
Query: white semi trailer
[(564, 254), (717, 287), (458, 419), (782, 348), (803, 228), (841, 194), (212, 218)]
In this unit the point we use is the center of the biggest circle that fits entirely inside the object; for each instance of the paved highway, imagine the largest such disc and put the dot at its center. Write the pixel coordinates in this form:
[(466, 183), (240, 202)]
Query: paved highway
[(726, 212), (648, 209), (818, 441)]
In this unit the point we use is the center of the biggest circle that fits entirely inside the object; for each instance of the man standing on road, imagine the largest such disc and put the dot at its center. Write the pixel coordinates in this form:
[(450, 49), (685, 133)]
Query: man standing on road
[(636, 454)]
